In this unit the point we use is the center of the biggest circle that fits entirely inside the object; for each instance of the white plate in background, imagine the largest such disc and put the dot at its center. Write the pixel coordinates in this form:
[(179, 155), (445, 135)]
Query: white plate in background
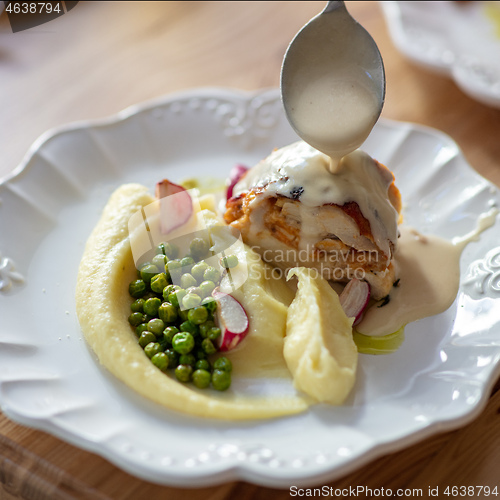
[(460, 39), (439, 379)]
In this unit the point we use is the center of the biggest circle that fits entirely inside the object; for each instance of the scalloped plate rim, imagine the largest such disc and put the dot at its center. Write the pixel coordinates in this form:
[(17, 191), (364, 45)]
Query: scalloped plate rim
[(125, 114), (454, 70), (134, 109), (239, 471)]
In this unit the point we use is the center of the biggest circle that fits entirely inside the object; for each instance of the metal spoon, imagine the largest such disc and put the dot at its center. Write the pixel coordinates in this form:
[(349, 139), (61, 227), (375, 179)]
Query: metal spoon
[(331, 56)]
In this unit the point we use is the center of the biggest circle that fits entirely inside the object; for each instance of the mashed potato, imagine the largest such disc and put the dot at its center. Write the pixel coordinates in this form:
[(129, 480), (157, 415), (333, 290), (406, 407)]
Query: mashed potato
[(319, 349), (103, 306)]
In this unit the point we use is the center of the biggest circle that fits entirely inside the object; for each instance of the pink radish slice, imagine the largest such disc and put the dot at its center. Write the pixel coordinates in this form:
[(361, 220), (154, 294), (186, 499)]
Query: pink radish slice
[(176, 205), (235, 175), (231, 319), (354, 299)]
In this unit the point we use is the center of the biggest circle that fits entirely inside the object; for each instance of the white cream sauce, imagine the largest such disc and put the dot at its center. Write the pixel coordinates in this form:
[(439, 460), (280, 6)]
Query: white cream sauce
[(301, 171), (335, 117), (333, 88), (428, 268)]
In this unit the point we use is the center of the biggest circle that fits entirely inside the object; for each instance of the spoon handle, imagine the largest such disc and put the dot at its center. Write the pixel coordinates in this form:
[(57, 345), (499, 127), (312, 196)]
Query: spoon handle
[(334, 5)]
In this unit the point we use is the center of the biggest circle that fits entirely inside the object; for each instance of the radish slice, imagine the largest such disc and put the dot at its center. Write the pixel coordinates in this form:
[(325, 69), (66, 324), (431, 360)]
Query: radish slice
[(354, 299), (176, 205), (235, 175), (231, 319)]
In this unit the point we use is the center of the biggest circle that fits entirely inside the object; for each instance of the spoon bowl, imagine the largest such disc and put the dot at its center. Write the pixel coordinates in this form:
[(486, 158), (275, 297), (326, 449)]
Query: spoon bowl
[(333, 82)]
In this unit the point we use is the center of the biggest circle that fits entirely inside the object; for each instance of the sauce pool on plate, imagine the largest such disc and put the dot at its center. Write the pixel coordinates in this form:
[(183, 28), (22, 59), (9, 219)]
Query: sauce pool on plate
[(428, 268)]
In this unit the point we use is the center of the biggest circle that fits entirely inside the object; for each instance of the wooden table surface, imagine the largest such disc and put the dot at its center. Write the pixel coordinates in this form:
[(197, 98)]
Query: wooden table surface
[(104, 56)]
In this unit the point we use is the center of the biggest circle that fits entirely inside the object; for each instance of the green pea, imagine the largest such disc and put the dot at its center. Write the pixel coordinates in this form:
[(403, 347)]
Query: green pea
[(152, 305), (140, 266), (146, 338), (188, 280), (201, 378), (152, 348), (194, 289), (137, 305), (135, 319), (211, 274), (148, 271), (187, 263), (183, 373), (221, 380), (183, 315), (143, 327), (223, 364), (170, 250), (174, 267), (160, 360), (197, 315), (176, 297), (159, 261), (229, 261), (208, 346), (203, 364), (198, 270), (214, 333), (173, 358), (168, 334), (159, 282), (183, 342), (156, 326), (210, 304), (188, 326), (191, 300), (205, 327), (199, 247), (167, 312), (187, 359), (137, 289), (168, 290), (207, 287)]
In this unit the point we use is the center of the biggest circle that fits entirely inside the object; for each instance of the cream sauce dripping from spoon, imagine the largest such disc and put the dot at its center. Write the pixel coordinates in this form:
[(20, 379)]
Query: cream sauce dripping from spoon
[(333, 83)]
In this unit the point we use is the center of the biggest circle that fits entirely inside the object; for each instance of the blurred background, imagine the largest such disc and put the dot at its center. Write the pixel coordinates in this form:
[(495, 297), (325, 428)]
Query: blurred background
[(101, 57)]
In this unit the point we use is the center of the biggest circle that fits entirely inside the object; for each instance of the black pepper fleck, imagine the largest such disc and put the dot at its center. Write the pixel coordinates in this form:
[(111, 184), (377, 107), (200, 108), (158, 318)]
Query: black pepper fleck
[(385, 301), (296, 192)]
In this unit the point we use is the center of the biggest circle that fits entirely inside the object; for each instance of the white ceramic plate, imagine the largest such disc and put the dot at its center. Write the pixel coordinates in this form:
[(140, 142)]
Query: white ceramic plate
[(461, 39), (439, 379)]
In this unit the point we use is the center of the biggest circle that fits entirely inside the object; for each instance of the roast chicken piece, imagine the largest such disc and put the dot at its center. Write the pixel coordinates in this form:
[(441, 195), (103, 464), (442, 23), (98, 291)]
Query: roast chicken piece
[(295, 212)]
